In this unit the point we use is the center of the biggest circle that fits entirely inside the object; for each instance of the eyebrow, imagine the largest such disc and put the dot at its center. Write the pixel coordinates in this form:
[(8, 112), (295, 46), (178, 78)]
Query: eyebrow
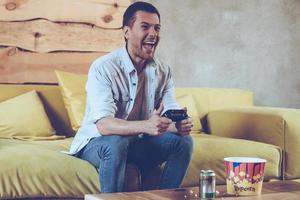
[(150, 24)]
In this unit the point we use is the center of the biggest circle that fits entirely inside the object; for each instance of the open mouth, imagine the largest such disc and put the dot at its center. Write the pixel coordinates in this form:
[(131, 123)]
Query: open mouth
[(149, 45)]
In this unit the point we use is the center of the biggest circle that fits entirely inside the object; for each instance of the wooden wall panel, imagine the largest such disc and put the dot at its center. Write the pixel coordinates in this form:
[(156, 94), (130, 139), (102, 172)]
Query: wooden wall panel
[(17, 66), (102, 13), (39, 36), (45, 36)]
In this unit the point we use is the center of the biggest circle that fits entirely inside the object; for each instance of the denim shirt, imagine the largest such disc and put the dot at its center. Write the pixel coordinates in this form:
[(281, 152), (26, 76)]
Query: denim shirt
[(111, 89)]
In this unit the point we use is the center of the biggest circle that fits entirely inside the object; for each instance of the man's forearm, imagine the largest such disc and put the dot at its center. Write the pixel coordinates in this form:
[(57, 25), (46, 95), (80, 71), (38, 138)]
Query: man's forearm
[(109, 126)]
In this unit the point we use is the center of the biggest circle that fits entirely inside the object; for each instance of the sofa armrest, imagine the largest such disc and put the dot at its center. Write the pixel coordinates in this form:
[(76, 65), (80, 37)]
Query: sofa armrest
[(277, 126), (209, 152)]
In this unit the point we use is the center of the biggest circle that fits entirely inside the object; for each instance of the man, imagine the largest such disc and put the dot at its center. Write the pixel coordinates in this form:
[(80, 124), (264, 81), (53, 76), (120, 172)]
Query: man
[(121, 123)]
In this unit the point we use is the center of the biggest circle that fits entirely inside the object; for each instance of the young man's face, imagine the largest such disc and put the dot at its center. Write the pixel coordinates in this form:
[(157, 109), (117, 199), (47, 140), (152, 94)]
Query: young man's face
[(143, 36)]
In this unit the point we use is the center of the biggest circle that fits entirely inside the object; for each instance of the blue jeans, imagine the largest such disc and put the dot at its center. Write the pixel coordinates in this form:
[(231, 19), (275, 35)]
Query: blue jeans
[(111, 153)]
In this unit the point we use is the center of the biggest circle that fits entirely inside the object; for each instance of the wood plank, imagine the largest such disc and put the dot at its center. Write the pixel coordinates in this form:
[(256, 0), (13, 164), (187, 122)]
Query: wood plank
[(102, 13), (17, 66), (124, 3), (271, 191), (45, 36)]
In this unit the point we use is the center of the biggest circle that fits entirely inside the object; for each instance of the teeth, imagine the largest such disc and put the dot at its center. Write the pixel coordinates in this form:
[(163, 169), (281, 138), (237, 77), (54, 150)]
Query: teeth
[(152, 43), (148, 46)]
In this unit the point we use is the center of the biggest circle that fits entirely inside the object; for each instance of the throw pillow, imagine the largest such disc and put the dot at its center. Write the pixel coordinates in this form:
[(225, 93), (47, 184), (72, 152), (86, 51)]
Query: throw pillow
[(74, 96), (188, 102), (24, 117)]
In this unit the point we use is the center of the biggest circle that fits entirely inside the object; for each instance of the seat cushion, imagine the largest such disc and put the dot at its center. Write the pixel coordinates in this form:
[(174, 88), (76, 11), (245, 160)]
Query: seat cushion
[(209, 152), (39, 169)]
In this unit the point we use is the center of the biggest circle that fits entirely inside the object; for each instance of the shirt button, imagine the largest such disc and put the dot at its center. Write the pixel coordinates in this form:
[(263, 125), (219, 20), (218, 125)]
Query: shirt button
[(131, 99), (134, 84)]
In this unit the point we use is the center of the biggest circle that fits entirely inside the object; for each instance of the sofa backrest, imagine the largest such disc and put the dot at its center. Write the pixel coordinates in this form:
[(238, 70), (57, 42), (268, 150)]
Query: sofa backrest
[(206, 99), (209, 99)]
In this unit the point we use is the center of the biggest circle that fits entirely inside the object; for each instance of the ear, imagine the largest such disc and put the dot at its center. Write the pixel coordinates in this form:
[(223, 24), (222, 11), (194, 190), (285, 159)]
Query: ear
[(126, 32)]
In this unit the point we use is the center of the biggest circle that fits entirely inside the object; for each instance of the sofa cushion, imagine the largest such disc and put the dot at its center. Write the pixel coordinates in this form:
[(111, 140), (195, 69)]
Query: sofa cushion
[(52, 100), (74, 95), (277, 126), (24, 117), (189, 102), (39, 169), (209, 99), (209, 152)]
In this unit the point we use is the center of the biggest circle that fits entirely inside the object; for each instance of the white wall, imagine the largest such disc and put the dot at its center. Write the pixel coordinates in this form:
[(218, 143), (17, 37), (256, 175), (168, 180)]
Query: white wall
[(248, 44)]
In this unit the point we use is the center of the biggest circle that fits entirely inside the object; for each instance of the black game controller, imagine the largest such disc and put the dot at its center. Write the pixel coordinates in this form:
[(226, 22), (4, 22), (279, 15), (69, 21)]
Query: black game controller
[(176, 115)]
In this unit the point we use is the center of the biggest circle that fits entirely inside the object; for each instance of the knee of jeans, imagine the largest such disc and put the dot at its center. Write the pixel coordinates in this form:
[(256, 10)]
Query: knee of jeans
[(117, 145), (187, 144)]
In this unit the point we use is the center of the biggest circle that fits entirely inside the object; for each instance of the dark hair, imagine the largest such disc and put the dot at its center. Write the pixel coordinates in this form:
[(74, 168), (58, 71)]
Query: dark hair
[(129, 14)]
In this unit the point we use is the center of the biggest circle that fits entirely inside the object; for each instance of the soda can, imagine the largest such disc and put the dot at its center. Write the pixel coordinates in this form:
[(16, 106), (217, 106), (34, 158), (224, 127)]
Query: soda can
[(207, 184)]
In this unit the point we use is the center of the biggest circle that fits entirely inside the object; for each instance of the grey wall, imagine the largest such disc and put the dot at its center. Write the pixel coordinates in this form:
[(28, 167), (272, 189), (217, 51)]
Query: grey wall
[(247, 44)]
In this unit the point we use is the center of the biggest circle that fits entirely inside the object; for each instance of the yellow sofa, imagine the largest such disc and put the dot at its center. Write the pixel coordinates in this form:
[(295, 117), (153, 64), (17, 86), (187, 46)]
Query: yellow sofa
[(230, 126)]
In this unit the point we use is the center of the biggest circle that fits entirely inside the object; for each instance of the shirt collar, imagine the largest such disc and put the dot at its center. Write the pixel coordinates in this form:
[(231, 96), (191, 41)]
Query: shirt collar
[(128, 66)]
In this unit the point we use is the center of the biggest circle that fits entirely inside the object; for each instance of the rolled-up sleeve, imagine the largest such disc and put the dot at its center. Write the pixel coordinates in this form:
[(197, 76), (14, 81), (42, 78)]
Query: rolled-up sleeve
[(99, 93), (169, 99)]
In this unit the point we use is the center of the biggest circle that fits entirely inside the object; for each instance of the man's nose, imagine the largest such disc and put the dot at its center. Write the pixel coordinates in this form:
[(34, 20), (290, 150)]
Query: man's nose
[(153, 32)]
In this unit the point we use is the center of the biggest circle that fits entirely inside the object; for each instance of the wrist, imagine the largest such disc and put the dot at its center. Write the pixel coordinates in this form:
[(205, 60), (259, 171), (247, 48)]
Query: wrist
[(140, 126)]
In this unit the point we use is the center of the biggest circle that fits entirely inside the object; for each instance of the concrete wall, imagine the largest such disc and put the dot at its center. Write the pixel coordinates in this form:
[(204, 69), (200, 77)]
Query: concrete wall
[(247, 44)]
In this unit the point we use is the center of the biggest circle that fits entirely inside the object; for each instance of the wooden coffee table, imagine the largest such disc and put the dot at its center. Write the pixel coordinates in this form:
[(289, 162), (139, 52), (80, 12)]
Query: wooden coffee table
[(271, 191)]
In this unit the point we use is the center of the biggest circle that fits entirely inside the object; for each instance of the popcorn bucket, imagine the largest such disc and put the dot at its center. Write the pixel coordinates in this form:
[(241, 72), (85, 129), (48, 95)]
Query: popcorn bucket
[(244, 175)]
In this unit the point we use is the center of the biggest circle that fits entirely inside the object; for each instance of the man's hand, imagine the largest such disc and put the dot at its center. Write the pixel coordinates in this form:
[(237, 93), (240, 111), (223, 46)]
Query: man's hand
[(157, 125), (184, 127)]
